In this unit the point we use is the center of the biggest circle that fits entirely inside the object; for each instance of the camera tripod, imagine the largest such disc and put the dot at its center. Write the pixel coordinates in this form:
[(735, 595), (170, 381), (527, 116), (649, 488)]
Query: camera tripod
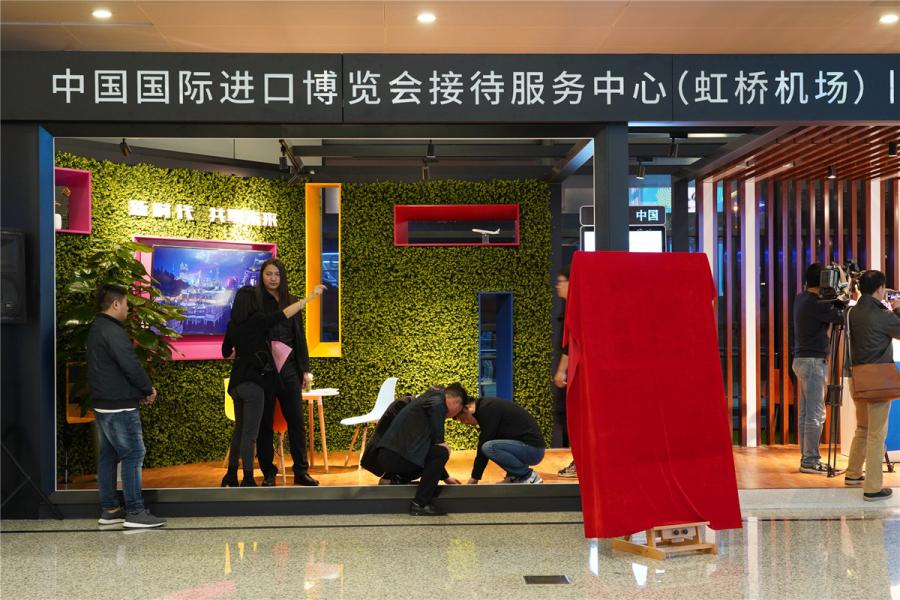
[(834, 391)]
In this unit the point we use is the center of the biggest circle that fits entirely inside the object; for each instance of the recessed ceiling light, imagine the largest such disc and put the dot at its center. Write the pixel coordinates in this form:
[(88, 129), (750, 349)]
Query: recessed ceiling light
[(426, 17), (705, 134), (101, 13), (889, 19)]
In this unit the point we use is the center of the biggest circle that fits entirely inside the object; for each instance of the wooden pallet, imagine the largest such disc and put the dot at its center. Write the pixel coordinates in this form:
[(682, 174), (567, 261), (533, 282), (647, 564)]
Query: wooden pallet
[(670, 540)]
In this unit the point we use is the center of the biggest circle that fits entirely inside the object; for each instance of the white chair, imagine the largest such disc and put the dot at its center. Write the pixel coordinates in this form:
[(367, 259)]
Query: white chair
[(385, 397)]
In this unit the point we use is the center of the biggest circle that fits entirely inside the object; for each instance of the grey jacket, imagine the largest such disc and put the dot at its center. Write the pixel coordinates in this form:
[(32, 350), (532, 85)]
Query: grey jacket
[(872, 327), (116, 377)]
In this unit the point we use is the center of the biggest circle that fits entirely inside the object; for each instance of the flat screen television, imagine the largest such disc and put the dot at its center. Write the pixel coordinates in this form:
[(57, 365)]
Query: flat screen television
[(203, 282)]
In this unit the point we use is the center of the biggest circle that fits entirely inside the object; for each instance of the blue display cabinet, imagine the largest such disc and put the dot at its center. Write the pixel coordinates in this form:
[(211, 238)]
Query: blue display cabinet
[(495, 344)]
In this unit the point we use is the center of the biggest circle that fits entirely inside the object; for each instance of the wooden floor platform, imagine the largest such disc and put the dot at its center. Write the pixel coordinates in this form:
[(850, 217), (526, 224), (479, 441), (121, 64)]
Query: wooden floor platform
[(757, 468)]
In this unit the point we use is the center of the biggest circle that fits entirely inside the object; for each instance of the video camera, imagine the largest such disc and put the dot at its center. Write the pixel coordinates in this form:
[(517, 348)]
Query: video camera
[(837, 283)]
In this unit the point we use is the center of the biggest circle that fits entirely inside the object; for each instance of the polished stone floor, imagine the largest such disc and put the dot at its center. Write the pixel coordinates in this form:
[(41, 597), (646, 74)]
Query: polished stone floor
[(823, 553)]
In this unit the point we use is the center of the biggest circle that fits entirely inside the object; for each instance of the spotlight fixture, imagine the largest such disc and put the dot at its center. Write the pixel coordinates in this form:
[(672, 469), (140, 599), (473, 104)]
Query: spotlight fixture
[(124, 147), (832, 172), (892, 148), (889, 19), (429, 151), (101, 13), (641, 172), (425, 173), (293, 162), (283, 163), (673, 147), (426, 17)]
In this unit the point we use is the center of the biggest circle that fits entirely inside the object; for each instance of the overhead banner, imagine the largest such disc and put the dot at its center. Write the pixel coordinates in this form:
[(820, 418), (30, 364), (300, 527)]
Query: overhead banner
[(447, 88)]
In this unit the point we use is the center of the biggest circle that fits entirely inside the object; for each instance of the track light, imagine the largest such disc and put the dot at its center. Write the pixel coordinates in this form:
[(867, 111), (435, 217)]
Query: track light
[(673, 147), (892, 148), (426, 175), (430, 154), (124, 147), (642, 171), (832, 172)]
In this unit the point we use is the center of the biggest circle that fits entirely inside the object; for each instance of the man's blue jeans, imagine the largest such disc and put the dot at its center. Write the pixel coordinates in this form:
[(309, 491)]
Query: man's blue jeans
[(121, 440), (513, 456), (811, 378)]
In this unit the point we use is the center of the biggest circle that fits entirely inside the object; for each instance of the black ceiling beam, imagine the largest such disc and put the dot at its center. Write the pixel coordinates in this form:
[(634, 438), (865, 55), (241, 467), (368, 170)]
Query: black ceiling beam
[(366, 174), (734, 150), (579, 154), (684, 149), (368, 150)]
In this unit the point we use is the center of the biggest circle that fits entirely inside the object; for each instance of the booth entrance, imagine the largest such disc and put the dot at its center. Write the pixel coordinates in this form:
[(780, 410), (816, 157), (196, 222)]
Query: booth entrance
[(605, 147)]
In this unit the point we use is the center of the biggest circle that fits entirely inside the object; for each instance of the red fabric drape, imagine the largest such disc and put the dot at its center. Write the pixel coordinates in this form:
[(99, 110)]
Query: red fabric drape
[(647, 414)]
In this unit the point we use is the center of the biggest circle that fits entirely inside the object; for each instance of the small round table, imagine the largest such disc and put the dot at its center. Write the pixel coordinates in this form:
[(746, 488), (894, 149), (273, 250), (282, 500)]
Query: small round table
[(314, 397)]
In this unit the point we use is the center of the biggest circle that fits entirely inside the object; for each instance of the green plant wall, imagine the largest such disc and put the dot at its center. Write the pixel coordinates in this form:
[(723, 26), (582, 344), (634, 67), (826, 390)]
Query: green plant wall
[(407, 312)]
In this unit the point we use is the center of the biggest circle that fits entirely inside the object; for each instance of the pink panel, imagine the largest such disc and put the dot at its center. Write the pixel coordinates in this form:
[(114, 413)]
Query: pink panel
[(79, 181), (198, 347)]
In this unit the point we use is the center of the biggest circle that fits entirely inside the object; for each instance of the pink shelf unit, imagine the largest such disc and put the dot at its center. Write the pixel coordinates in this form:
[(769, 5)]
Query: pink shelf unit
[(79, 201), (197, 347), (472, 214)]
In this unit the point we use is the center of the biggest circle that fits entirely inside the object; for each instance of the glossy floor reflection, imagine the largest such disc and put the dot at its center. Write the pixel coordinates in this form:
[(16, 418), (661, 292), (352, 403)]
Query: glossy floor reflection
[(460, 556)]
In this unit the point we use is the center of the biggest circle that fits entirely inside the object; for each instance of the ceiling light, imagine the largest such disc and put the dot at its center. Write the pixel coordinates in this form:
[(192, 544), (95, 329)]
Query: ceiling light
[(703, 134), (889, 19), (426, 17), (642, 171), (124, 147), (430, 154), (673, 147), (832, 172), (892, 148), (426, 175), (101, 13)]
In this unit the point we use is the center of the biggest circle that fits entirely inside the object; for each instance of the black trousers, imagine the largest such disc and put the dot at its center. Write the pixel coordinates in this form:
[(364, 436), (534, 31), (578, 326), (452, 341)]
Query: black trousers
[(433, 471), (560, 435), (249, 401), (290, 400)]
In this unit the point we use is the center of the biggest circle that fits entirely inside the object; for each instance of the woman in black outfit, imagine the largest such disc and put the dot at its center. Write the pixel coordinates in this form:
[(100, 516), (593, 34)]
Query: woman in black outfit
[(253, 376), (294, 375)]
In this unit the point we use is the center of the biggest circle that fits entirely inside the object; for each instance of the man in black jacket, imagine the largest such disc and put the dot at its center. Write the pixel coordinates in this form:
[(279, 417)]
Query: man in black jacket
[(118, 385), (812, 319), (509, 436), (872, 330), (413, 446)]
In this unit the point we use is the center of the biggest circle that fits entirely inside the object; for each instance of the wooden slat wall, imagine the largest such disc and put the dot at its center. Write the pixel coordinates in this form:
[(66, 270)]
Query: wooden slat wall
[(785, 222)]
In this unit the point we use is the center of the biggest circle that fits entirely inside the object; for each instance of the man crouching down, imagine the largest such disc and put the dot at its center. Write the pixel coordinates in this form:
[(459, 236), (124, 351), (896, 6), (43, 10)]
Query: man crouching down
[(509, 436), (413, 446)]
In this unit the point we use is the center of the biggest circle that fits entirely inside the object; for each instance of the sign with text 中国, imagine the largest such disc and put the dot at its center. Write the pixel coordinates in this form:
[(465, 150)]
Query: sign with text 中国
[(646, 215), (446, 88)]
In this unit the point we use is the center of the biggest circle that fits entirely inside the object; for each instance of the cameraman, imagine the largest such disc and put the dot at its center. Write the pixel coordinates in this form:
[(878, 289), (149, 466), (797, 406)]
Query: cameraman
[(812, 319), (872, 330)]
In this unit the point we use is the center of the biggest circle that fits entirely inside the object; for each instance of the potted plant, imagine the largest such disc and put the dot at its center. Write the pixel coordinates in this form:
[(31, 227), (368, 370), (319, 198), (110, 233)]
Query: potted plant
[(147, 322)]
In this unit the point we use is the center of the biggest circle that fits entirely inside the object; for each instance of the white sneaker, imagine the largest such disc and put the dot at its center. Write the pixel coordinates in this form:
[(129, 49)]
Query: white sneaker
[(533, 477)]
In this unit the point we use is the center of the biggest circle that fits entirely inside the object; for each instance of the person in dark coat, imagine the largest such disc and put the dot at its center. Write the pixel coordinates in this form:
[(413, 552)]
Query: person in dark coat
[(509, 436), (119, 384), (253, 375), (288, 341), (413, 446)]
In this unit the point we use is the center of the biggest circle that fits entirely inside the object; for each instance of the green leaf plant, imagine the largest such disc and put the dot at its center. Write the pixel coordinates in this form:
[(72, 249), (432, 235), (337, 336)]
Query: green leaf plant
[(147, 323)]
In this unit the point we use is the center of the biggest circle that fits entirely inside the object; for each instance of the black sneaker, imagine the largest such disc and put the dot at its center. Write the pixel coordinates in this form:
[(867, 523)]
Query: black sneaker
[(882, 495), (112, 516), (819, 468), (269, 480), (425, 510), (854, 480), (143, 520)]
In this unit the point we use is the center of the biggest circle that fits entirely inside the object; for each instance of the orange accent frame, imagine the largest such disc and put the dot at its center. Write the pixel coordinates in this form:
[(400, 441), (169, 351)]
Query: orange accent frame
[(318, 348)]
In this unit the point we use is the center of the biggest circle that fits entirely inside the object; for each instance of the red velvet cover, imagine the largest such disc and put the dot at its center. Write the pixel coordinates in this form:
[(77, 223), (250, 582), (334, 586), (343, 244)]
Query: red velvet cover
[(646, 403)]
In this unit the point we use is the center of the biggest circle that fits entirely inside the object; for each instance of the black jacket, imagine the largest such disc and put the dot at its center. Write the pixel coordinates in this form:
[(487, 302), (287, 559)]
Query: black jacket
[(500, 419), (300, 355), (369, 459), (417, 428), (116, 377), (811, 320), (249, 340), (872, 328)]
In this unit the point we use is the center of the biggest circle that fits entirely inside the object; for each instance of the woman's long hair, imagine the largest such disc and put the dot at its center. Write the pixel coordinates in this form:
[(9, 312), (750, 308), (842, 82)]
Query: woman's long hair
[(245, 305), (284, 296)]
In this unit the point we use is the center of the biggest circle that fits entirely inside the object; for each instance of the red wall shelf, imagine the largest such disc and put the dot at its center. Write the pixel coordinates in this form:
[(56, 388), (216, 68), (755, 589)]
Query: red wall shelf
[(470, 214), (79, 182)]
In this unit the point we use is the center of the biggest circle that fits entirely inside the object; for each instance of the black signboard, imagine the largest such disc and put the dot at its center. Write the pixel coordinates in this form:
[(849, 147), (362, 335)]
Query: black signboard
[(447, 88), (646, 215), (116, 86)]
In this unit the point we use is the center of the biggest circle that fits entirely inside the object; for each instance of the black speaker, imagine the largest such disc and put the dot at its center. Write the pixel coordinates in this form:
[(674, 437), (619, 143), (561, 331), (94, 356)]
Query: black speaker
[(12, 277)]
